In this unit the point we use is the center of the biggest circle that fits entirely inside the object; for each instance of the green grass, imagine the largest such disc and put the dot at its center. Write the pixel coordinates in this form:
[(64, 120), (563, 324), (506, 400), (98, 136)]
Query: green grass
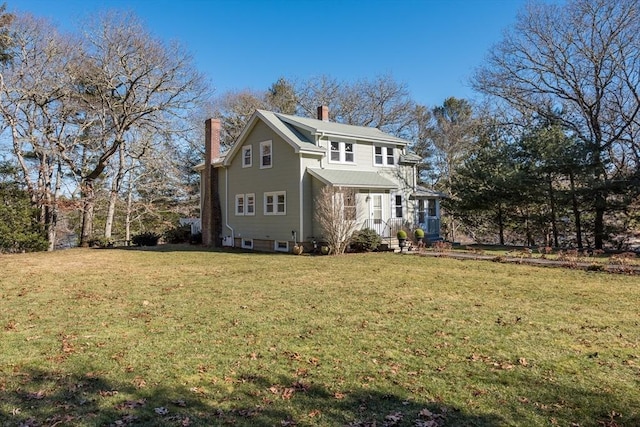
[(182, 336)]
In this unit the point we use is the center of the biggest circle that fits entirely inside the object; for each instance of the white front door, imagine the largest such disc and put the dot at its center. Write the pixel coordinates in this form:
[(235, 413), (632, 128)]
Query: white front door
[(375, 213)]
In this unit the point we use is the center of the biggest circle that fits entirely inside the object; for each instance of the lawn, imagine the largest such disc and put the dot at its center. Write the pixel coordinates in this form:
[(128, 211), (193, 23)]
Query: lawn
[(181, 336)]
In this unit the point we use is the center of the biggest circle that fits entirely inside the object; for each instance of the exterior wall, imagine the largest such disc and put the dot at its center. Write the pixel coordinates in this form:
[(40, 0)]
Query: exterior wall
[(288, 174), (308, 199), (283, 175)]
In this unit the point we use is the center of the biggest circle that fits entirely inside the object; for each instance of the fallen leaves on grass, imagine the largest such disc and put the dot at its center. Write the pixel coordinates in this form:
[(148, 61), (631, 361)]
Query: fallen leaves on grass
[(36, 396), (394, 418), (131, 404)]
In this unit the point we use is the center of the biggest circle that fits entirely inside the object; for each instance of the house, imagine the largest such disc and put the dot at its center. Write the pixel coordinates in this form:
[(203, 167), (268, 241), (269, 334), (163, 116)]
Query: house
[(260, 193)]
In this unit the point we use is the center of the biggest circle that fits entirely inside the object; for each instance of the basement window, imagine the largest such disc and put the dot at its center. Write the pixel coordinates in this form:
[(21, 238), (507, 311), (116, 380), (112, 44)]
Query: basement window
[(281, 246)]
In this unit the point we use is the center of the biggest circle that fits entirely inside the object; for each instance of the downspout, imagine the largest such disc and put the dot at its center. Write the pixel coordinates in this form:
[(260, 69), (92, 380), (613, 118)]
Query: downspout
[(301, 192), (226, 205)]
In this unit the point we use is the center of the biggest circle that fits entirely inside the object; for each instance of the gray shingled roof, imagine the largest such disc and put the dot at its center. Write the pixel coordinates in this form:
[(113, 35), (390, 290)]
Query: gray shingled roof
[(289, 132), (352, 179), (426, 192), (339, 129)]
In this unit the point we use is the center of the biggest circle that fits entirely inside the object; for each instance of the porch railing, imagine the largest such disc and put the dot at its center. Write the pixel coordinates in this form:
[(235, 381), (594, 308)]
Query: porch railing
[(388, 229)]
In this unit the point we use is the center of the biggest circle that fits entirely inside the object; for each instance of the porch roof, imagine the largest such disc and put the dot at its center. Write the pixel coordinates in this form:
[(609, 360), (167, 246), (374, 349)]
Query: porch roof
[(421, 192), (352, 179)]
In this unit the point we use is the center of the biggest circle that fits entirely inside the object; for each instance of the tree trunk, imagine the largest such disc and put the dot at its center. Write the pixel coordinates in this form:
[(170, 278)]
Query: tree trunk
[(111, 210), (129, 210), (600, 200), (598, 226), (552, 206), (501, 225), (88, 204), (576, 210), (115, 189)]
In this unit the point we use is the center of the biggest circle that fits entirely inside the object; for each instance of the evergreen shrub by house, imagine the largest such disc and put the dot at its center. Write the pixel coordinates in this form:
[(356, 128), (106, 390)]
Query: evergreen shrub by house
[(365, 240), (147, 238)]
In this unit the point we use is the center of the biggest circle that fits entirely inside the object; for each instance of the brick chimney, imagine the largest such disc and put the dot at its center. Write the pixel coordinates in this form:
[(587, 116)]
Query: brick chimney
[(211, 214), (211, 140), (323, 113)]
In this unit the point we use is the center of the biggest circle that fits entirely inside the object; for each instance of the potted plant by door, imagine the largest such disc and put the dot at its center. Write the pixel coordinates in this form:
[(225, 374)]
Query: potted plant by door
[(402, 239), (419, 235)]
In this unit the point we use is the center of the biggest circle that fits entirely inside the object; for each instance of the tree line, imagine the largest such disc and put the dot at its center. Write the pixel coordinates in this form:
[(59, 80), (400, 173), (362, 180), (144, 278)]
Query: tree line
[(104, 128)]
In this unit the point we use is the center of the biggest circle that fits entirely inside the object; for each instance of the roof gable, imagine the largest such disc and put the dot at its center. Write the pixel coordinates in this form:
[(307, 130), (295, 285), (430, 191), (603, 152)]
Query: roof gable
[(288, 133)]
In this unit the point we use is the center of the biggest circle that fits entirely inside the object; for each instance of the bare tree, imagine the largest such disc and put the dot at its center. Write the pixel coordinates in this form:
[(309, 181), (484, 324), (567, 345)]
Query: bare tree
[(316, 91), (126, 80), (336, 215), (578, 62), (34, 104), (234, 109)]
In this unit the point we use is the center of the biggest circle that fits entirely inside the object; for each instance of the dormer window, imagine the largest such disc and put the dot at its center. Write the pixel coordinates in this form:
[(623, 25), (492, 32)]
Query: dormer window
[(341, 152), (384, 156)]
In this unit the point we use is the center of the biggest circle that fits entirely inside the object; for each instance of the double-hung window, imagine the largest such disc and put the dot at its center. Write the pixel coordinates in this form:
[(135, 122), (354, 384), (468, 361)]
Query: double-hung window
[(239, 204), (341, 152), (245, 204), (384, 156), (247, 158), (266, 160), (275, 203)]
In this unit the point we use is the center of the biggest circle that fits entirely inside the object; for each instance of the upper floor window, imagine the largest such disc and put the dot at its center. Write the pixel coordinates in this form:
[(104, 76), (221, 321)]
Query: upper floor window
[(341, 152), (247, 158), (384, 156), (275, 203), (265, 155)]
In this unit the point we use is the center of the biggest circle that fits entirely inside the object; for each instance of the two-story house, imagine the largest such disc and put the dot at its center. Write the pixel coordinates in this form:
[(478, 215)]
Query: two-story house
[(260, 193)]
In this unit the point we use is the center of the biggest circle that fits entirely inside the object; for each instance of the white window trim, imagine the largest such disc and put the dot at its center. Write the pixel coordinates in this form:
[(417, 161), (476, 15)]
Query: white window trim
[(263, 144), (250, 149), (275, 195), (394, 206), (342, 153), (246, 243), (244, 205), (385, 153), (277, 248)]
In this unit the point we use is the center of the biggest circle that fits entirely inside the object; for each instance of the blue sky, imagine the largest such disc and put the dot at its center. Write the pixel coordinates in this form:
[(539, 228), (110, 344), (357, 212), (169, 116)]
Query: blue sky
[(431, 45)]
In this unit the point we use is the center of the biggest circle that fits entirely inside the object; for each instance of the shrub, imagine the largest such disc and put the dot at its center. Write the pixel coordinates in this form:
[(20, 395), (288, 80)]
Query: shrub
[(196, 239), (419, 233), (180, 234), (365, 240), (402, 235), (100, 242), (147, 238)]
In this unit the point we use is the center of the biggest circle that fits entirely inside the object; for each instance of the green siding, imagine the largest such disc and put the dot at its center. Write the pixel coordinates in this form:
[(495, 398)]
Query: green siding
[(284, 175)]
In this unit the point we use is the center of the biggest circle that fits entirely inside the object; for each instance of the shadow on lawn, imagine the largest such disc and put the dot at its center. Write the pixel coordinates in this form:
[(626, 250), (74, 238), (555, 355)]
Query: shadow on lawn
[(55, 399), (561, 404)]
